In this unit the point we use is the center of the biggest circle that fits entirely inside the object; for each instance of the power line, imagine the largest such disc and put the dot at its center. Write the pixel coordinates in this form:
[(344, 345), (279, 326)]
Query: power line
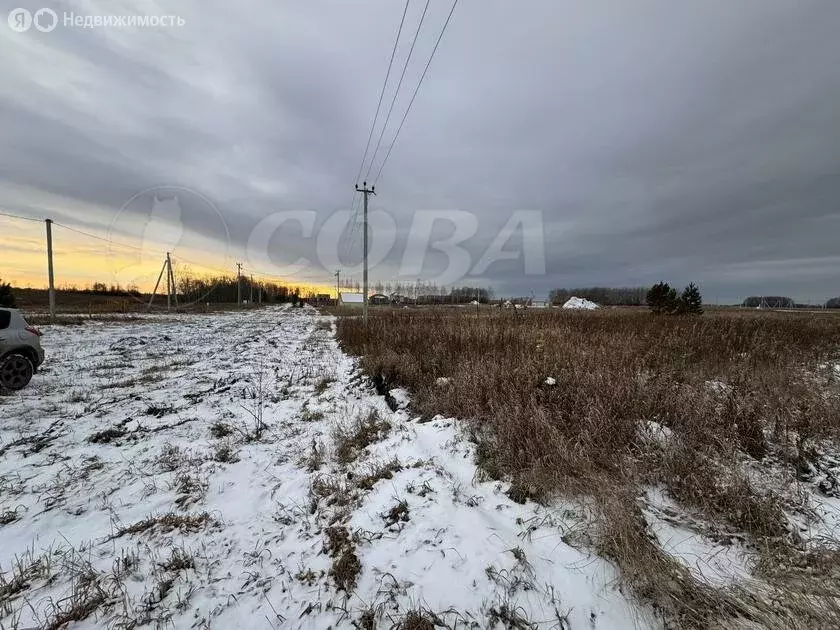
[(294, 277), (202, 265), (382, 91), (354, 211), (407, 110), (100, 238), (397, 91), (17, 216), (354, 216), (417, 89)]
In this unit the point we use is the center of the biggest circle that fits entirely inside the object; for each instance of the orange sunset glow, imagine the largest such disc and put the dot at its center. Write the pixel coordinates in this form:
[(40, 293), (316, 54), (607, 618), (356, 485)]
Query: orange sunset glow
[(81, 260)]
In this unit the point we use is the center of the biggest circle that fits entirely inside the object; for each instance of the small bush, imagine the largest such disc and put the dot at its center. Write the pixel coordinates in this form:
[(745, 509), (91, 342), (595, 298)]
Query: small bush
[(225, 452), (220, 429)]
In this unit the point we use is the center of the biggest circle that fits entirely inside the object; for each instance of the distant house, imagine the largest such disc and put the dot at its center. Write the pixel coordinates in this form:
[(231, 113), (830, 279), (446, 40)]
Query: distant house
[(379, 299), (398, 299), (350, 299)]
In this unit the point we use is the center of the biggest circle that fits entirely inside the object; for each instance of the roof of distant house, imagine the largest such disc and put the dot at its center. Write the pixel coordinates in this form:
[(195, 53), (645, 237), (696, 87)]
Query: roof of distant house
[(355, 298)]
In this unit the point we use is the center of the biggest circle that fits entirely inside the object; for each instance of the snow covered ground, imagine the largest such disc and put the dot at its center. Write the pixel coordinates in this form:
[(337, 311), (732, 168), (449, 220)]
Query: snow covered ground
[(236, 469)]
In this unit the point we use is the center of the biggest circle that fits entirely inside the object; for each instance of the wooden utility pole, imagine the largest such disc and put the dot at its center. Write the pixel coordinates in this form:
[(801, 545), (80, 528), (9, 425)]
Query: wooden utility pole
[(168, 266), (50, 268), (163, 269), (337, 286), (366, 192), (172, 276), (238, 284), (251, 290)]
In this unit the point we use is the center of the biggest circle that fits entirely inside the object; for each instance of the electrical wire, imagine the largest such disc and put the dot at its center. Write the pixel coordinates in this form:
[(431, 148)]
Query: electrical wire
[(355, 231), (17, 216), (382, 91), (416, 90), (101, 238), (180, 258), (350, 240), (408, 109), (354, 211), (397, 91)]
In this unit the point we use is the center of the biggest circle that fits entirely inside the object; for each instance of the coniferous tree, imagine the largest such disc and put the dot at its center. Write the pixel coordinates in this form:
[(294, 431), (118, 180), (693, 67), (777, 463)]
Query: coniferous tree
[(662, 299), (690, 302)]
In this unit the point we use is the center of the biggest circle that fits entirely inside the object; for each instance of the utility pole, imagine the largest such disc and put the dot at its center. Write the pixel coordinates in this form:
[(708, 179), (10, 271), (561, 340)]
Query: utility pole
[(238, 284), (50, 268), (251, 289), (366, 192), (157, 284), (168, 282), (172, 293), (337, 286)]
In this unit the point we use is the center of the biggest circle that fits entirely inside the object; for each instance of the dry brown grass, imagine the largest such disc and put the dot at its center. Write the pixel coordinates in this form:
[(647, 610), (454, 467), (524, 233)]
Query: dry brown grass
[(350, 439), (616, 372), (185, 523), (345, 563)]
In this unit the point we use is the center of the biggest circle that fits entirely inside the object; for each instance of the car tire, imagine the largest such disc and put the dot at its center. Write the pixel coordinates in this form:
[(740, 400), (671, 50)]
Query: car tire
[(16, 371)]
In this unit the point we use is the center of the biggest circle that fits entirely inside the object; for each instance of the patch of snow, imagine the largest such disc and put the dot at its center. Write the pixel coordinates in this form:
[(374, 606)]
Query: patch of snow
[(822, 530), (550, 381), (712, 562), (443, 381), (462, 536), (718, 388), (400, 397), (655, 431), (580, 304)]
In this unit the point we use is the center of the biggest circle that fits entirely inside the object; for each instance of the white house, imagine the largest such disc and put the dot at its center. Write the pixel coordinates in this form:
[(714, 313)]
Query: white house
[(350, 299)]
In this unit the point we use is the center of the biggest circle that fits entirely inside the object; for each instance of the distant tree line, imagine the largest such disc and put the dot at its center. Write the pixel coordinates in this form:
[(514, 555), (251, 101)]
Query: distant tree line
[(457, 295), (606, 296), (100, 288), (193, 288), (424, 292), (223, 289)]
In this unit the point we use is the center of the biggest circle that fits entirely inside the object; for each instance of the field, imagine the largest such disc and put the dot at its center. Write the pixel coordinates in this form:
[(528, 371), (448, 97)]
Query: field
[(236, 468), (466, 470), (701, 452)]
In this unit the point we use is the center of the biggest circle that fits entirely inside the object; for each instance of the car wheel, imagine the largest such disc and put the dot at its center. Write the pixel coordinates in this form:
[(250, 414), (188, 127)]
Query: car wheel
[(15, 372)]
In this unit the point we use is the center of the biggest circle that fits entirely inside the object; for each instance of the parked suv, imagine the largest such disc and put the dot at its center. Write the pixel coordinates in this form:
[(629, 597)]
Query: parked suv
[(20, 350)]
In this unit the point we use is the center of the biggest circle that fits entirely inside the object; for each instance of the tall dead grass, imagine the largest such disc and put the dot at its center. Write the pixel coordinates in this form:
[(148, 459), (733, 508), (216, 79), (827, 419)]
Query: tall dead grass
[(725, 389)]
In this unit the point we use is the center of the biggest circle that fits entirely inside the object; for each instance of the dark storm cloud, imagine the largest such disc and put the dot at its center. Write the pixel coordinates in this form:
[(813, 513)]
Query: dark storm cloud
[(661, 140)]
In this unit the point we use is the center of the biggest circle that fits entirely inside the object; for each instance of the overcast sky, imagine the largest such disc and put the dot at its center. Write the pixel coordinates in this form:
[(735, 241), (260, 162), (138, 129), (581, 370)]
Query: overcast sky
[(683, 141)]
